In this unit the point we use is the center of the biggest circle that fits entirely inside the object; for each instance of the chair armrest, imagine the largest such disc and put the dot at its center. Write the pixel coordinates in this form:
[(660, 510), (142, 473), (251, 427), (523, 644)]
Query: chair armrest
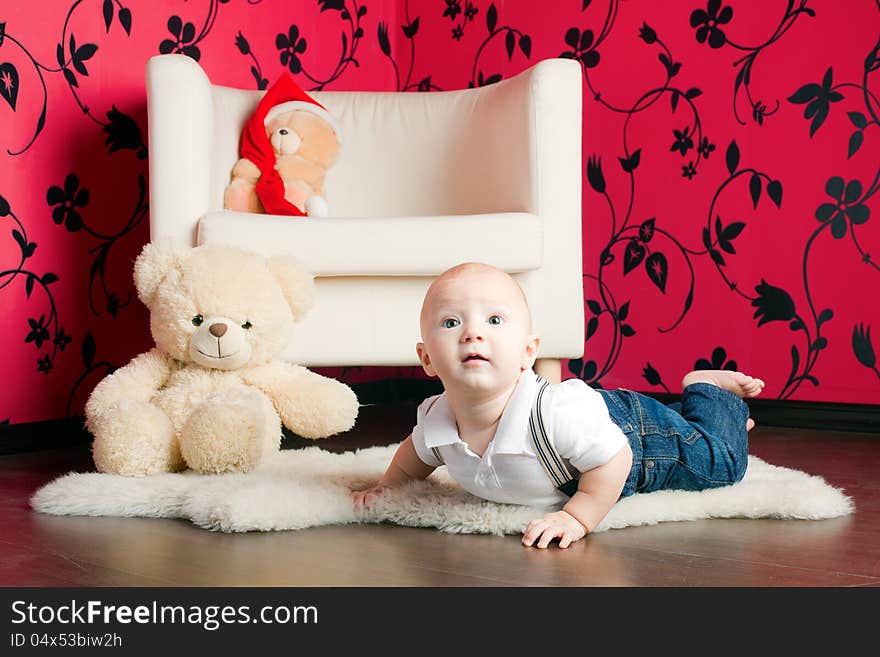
[(556, 105), (180, 124), (529, 133), (550, 187)]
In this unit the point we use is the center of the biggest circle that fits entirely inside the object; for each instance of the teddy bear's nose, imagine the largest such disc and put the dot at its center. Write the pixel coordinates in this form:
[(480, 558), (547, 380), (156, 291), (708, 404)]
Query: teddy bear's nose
[(218, 330)]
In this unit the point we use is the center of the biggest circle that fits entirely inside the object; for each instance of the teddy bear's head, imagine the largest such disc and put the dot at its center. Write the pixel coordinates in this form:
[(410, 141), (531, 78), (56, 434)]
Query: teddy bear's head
[(218, 306), (304, 134)]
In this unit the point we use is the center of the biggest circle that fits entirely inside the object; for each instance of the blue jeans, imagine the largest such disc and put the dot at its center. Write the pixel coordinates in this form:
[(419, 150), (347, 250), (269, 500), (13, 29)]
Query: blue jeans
[(698, 443)]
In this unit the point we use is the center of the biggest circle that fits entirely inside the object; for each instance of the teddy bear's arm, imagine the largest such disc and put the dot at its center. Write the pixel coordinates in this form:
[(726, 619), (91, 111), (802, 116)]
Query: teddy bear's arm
[(139, 380), (241, 193), (310, 405), (246, 170)]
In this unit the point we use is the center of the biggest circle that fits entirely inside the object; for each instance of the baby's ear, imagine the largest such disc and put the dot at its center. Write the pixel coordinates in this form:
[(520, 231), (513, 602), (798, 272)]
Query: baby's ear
[(425, 359), (153, 264), (297, 285), (531, 353)]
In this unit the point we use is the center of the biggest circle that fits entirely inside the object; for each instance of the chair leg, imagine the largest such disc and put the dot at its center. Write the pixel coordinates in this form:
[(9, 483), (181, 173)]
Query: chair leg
[(549, 368)]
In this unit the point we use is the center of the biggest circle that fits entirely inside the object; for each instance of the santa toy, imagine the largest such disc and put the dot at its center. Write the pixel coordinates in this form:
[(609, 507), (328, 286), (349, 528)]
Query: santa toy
[(286, 148)]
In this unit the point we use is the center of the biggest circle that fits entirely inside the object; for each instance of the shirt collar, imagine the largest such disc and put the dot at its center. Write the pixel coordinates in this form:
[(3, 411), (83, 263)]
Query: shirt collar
[(440, 427), (511, 436)]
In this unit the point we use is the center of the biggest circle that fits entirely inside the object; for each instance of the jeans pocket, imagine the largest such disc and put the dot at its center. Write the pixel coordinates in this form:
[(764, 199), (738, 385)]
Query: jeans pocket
[(649, 473), (688, 436)]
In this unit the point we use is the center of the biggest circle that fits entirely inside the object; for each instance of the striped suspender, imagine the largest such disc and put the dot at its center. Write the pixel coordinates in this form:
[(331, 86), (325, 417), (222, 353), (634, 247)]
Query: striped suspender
[(550, 459)]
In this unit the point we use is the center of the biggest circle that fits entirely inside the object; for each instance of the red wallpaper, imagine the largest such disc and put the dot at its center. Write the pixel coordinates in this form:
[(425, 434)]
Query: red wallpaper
[(731, 170)]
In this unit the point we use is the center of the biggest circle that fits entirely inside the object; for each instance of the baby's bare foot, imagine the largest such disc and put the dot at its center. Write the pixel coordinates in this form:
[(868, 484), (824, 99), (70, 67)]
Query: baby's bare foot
[(741, 385)]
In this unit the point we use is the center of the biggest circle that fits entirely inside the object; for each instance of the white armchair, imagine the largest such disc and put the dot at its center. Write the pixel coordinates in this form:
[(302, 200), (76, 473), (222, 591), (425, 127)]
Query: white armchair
[(424, 181)]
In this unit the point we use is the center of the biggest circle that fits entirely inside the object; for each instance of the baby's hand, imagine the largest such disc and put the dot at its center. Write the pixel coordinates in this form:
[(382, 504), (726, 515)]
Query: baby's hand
[(364, 498), (558, 524)]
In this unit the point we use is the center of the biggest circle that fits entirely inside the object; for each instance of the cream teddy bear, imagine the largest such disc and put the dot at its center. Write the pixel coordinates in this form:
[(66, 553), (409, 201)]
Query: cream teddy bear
[(212, 394)]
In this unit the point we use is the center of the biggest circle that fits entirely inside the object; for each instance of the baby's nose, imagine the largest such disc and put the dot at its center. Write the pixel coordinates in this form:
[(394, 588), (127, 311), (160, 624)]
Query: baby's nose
[(471, 333)]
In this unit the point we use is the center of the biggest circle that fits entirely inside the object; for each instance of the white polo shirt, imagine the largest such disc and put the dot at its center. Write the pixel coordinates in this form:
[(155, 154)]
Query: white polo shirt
[(509, 471)]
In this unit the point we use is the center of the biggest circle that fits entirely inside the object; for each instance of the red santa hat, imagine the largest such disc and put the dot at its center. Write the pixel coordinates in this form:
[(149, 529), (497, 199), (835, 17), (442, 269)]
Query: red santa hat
[(308, 104), (283, 96)]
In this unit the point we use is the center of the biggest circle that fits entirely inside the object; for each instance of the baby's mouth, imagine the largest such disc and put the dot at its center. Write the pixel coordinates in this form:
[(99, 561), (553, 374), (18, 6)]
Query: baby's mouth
[(474, 357)]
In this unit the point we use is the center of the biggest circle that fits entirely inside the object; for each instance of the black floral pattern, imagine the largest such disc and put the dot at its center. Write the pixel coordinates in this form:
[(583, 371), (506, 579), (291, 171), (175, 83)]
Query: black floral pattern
[(846, 206), (863, 348), (683, 142), (290, 46), (818, 99), (183, 39), (648, 179), (707, 22), (67, 201), (773, 304), (718, 361)]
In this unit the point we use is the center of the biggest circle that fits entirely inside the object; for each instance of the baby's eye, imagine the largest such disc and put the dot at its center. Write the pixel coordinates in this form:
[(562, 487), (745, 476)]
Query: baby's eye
[(495, 320), (450, 322), (247, 325), (197, 320)]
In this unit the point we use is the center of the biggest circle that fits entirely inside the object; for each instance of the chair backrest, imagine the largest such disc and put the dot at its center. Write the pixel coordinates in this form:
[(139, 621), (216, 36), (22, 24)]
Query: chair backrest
[(406, 154)]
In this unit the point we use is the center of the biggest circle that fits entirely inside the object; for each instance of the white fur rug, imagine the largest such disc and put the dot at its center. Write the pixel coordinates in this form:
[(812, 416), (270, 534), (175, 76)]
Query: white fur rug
[(309, 487)]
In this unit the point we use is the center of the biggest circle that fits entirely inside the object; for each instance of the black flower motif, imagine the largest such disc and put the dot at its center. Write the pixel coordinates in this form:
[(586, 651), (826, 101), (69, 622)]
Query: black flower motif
[(719, 356), (845, 205), (683, 141), (453, 9), (689, 171), (112, 304), (62, 339), (39, 332), (242, 44), (291, 46), (758, 111), (647, 33), (124, 132), (66, 201), (594, 174), (44, 364), (707, 23), (773, 304), (457, 32), (470, 11), (184, 35), (651, 375), (818, 98), (862, 347), (328, 5), (705, 148), (582, 47)]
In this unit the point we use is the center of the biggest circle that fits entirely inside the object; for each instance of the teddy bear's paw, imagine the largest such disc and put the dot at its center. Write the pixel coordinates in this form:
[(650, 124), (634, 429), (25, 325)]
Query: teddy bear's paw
[(225, 434), (241, 196), (326, 407), (316, 206), (135, 439)]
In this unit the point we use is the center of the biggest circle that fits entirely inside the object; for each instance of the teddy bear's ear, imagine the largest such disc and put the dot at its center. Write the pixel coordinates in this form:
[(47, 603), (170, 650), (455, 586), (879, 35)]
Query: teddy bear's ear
[(152, 266), (297, 284)]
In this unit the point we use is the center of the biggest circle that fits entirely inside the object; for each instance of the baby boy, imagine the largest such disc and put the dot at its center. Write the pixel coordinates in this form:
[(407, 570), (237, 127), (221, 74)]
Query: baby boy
[(477, 339)]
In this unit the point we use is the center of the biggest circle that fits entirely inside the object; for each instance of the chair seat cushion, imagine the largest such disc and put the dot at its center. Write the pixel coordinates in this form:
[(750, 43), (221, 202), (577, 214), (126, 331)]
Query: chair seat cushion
[(384, 246)]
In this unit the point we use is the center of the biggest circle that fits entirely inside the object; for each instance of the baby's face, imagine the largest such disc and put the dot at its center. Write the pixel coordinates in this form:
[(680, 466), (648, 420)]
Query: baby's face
[(476, 331)]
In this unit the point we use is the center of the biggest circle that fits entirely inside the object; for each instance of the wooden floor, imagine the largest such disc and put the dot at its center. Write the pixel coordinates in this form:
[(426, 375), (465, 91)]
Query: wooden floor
[(43, 550)]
